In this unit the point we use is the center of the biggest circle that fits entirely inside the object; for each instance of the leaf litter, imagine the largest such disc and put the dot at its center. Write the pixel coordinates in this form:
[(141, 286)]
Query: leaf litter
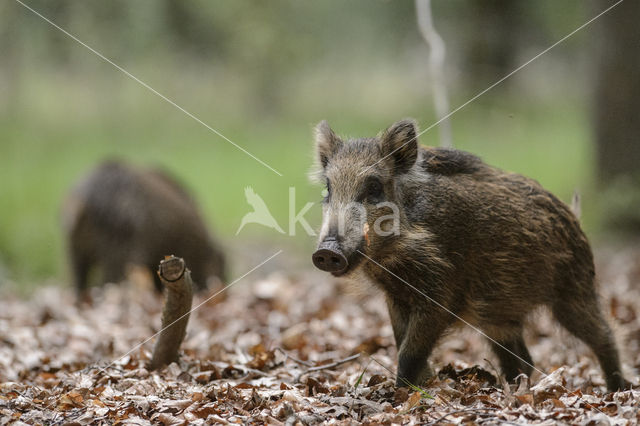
[(294, 348)]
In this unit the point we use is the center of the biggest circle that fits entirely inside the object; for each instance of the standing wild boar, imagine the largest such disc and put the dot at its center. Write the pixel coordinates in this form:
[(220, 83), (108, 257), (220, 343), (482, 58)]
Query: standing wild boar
[(481, 245), (121, 215)]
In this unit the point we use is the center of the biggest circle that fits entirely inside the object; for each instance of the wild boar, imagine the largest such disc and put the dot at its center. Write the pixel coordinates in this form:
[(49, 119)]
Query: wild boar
[(120, 214), (449, 238)]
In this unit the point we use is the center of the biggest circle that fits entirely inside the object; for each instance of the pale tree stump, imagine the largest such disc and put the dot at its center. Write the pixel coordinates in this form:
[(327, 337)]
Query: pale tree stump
[(176, 279)]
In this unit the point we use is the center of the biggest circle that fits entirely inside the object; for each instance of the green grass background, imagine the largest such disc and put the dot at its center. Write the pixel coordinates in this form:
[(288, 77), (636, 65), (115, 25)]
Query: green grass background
[(43, 153), (264, 81)]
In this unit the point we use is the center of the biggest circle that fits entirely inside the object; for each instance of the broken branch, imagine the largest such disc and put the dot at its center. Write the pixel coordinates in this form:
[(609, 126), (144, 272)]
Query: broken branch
[(175, 316)]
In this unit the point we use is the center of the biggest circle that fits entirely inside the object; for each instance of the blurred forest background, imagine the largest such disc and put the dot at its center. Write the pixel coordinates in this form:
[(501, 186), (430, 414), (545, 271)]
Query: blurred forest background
[(263, 73)]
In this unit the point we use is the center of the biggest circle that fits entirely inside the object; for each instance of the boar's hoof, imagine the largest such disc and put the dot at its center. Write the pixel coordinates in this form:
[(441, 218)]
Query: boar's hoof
[(618, 383)]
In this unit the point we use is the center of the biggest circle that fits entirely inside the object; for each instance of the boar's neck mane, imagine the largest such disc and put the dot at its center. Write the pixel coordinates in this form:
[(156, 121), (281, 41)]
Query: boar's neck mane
[(433, 214), (439, 200), (447, 161)]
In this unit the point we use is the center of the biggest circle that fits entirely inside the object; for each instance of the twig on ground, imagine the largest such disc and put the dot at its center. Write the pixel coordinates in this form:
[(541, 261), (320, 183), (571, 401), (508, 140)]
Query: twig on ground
[(329, 366), (299, 361), (468, 410), (333, 364)]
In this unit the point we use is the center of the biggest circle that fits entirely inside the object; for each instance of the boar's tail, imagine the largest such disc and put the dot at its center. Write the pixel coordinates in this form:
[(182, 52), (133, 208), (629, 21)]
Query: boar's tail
[(576, 205)]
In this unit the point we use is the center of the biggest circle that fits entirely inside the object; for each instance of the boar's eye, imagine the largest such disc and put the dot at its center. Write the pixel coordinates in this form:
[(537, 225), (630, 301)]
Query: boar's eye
[(373, 190)]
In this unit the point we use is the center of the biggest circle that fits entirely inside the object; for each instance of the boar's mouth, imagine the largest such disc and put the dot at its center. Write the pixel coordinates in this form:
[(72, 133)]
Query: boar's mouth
[(353, 261), (340, 273)]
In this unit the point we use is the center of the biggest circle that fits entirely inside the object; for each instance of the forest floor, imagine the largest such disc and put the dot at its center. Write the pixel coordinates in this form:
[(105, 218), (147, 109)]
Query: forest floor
[(294, 348)]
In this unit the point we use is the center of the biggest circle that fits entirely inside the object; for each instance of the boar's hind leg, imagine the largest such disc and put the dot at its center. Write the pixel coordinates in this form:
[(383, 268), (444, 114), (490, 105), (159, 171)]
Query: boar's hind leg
[(157, 283), (514, 357), (582, 318), (113, 267), (420, 337)]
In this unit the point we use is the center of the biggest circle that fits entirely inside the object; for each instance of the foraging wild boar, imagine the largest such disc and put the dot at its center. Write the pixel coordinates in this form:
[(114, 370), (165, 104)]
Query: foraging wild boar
[(121, 215), (480, 244)]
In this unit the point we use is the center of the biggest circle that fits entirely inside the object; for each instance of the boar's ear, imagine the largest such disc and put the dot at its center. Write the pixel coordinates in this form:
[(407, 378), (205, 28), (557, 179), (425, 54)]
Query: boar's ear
[(327, 142), (399, 145)]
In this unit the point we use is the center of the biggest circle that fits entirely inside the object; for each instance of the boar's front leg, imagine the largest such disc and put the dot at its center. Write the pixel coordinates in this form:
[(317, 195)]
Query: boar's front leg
[(514, 356), (399, 320), (418, 340)]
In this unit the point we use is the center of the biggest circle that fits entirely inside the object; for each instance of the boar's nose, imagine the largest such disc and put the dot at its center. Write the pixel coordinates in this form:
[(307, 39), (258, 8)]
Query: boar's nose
[(329, 258)]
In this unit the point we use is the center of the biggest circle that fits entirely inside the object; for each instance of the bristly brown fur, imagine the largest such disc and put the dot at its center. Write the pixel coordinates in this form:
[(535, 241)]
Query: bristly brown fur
[(488, 245)]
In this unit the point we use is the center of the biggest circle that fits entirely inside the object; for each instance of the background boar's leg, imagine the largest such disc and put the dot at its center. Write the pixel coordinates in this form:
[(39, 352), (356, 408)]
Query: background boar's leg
[(583, 319), (113, 268), (420, 337), (157, 282), (80, 264), (511, 365)]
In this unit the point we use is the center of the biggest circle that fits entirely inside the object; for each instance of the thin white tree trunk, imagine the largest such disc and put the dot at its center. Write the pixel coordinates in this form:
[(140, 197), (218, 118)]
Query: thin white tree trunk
[(436, 66)]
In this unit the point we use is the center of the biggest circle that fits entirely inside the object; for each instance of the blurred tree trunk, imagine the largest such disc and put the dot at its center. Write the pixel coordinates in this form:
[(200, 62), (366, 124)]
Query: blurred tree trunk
[(617, 112), (496, 26), (10, 58)]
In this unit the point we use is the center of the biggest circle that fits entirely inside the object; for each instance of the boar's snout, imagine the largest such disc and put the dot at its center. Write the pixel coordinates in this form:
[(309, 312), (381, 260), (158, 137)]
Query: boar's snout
[(329, 257)]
